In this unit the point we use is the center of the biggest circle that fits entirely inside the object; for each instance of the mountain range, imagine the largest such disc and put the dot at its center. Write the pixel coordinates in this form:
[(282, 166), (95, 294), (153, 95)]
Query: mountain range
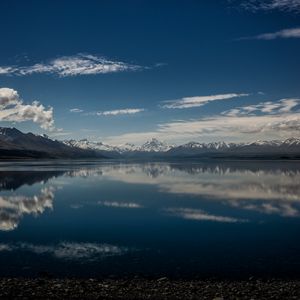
[(16, 144)]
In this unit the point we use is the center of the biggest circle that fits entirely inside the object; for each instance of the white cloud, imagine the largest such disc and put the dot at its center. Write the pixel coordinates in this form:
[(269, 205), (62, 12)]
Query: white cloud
[(188, 102), (283, 34), (76, 110), (269, 107), (79, 64), (267, 5), (8, 97), (13, 109), (125, 111), (276, 120), (7, 70)]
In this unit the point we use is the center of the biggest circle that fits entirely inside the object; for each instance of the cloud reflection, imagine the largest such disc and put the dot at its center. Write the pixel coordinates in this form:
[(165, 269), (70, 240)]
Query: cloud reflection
[(69, 250), (12, 208), (119, 204), (269, 190), (200, 215)]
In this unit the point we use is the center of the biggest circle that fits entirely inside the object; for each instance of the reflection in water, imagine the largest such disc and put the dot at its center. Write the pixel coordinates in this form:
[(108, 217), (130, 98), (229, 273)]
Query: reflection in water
[(259, 187), (273, 207), (269, 191), (12, 208), (12, 180), (119, 204), (200, 215), (197, 218), (69, 250)]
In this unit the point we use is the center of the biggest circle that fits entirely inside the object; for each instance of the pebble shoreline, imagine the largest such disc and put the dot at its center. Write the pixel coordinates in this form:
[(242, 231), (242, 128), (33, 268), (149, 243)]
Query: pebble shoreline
[(162, 288)]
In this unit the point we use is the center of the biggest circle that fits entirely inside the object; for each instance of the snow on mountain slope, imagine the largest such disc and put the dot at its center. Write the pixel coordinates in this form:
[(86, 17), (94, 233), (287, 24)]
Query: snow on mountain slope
[(153, 145), (193, 148)]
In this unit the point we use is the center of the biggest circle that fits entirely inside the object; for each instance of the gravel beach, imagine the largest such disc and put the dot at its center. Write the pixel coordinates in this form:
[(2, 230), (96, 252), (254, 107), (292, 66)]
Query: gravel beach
[(162, 288)]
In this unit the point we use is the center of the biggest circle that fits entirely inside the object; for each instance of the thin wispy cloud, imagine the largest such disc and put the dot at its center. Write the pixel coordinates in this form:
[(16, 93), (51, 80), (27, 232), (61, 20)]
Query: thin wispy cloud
[(269, 5), (7, 70), (76, 110), (13, 109), (116, 112), (269, 107), (281, 34), (197, 101), (79, 64)]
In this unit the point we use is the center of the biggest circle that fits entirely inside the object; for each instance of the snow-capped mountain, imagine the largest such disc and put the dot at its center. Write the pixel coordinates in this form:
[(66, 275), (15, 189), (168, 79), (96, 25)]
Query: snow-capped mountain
[(156, 147), (86, 144), (14, 143), (153, 145), (289, 146)]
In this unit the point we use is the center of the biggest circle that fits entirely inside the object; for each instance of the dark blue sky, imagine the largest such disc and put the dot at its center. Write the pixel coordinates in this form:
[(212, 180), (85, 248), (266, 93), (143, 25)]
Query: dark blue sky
[(152, 51)]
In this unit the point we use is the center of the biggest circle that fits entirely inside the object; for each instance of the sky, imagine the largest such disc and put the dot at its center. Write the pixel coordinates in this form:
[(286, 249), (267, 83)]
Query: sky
[(128, 71)]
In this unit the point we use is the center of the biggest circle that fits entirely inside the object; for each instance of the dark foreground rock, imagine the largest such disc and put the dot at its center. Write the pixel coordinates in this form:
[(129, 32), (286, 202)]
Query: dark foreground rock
[(147, 289)]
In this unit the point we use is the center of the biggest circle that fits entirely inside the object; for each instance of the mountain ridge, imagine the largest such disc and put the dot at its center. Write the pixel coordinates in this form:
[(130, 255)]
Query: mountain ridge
[(16, 144)]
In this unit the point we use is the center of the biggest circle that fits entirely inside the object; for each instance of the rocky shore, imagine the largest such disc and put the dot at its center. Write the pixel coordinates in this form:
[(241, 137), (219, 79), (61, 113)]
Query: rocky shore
[(162, 288)]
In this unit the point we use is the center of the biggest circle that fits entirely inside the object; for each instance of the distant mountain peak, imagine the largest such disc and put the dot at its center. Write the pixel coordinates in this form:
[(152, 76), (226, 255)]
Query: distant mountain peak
[(11, 131), (155, 145)]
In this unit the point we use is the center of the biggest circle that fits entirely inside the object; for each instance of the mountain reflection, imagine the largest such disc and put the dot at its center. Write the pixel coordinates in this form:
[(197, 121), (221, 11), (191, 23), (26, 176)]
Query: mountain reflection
[(12, 180), (268, 189), (264, 188)]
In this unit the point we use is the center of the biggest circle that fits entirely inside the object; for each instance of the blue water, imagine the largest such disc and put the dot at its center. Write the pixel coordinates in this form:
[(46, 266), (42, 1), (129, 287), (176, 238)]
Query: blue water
[(177, 219)]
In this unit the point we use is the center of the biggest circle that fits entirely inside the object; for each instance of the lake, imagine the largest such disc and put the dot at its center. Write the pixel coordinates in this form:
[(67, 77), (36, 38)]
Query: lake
[(187, 219)]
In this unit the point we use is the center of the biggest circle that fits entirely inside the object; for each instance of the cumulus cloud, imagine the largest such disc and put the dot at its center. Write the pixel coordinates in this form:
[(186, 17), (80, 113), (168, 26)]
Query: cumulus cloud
[(79, 64), (283, 34), (125, 111), (197, 101), (13, 109), (269, 5)]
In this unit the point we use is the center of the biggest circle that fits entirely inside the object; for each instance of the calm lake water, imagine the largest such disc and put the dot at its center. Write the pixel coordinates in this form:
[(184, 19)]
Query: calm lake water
[(176, 219)]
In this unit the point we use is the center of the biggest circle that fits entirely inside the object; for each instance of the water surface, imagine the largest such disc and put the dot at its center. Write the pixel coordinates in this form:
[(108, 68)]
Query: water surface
[(176, 219)]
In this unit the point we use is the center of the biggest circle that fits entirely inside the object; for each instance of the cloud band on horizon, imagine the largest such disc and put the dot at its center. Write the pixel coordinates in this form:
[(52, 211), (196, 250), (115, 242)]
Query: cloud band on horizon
[(277, 119)]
